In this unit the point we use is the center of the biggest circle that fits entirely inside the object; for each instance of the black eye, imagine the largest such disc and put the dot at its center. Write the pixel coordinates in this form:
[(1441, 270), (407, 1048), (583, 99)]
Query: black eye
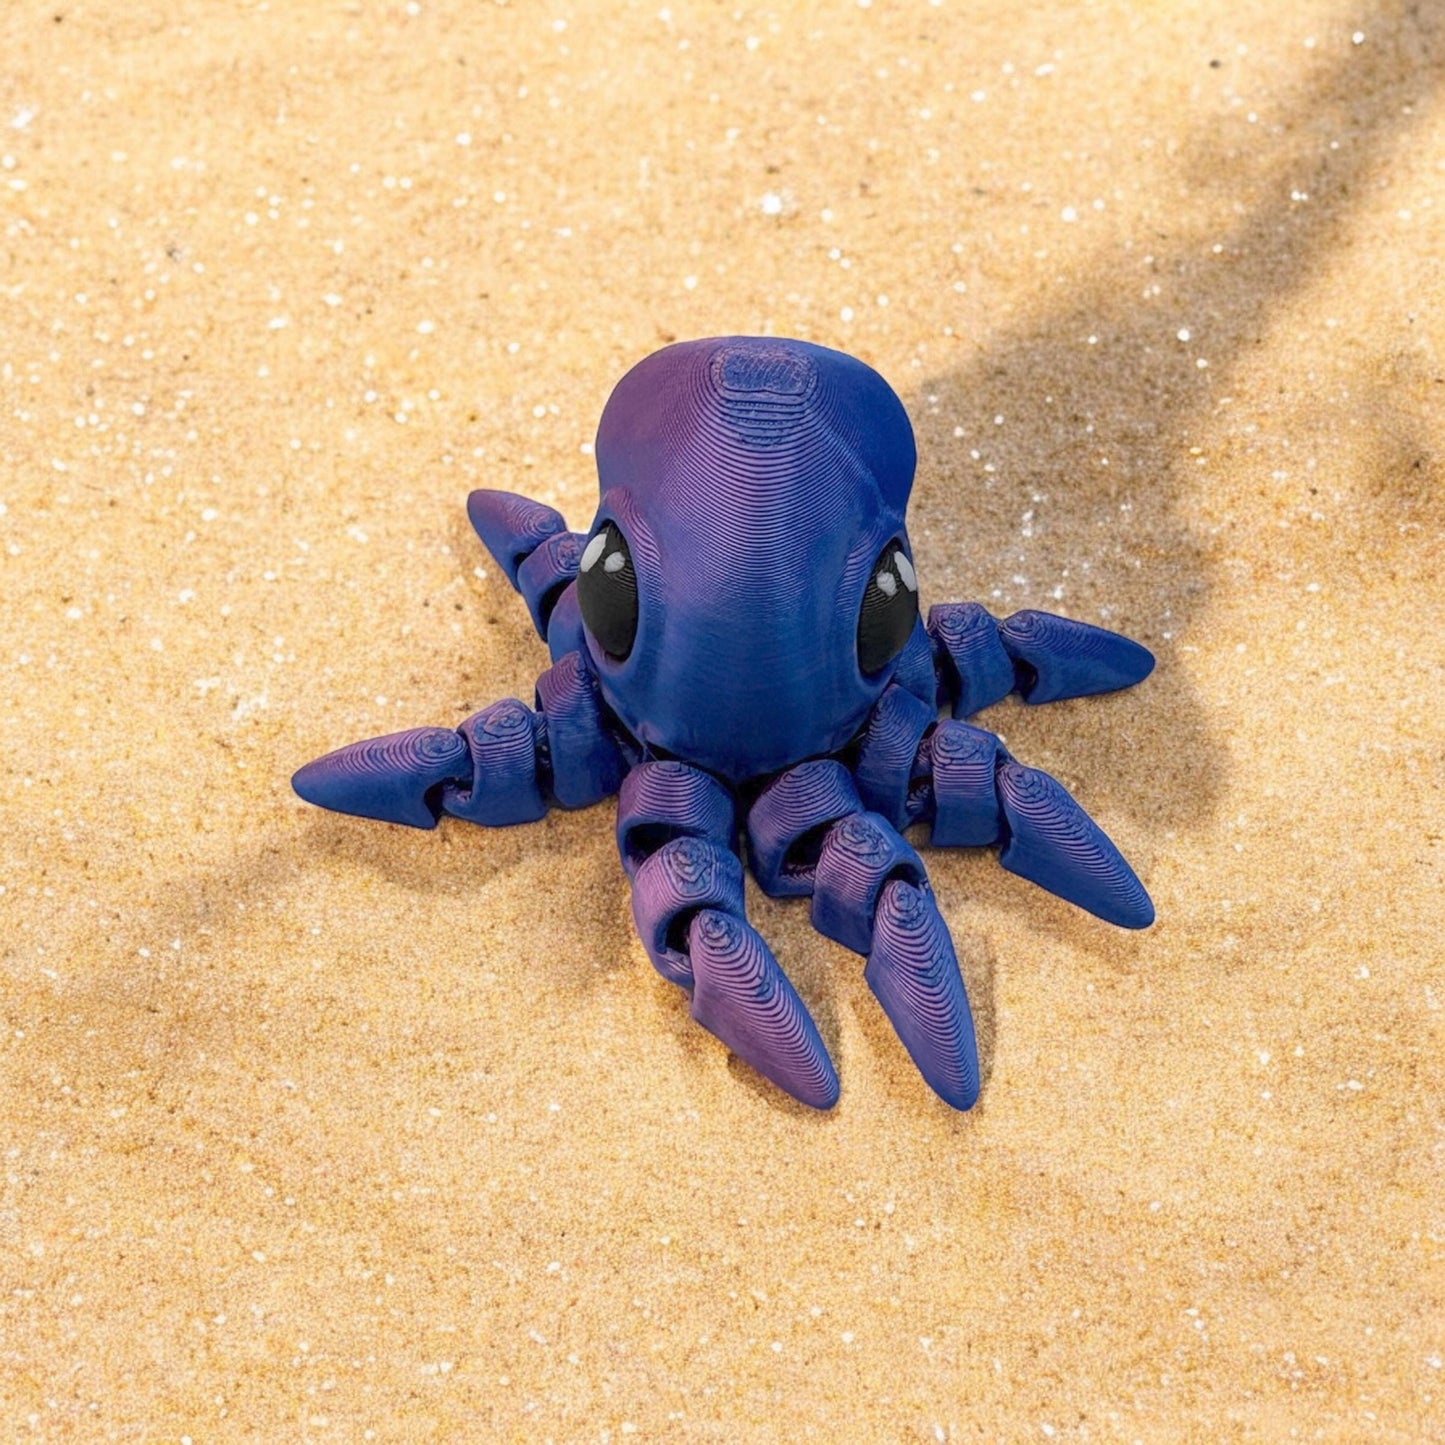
[(607, 592), (890, 608)]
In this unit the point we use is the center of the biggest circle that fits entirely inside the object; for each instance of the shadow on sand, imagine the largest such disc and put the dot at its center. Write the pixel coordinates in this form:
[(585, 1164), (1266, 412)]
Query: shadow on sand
[(1146, 400)]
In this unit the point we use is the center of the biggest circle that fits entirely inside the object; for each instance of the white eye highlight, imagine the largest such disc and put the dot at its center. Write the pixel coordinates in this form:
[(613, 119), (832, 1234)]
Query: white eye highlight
[(887, 584), (615, 563), (594, 550), (905, 571)]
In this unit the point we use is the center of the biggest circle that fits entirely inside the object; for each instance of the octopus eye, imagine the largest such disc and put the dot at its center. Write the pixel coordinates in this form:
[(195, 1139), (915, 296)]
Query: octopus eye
[(607, 592), (890, 608)]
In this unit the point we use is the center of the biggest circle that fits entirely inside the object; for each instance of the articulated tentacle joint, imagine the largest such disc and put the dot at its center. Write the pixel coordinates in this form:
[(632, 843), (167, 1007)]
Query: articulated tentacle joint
[(916, 670), (586, 762), (887, 770), (1040, 656), (981, 795), (508, 746), (512, 527), (546, 574), (565, 632), (789, 821), (675, 826), (663, 800), (683, 877), (860, 854), (809, 832), (505, 764), (531, 544)]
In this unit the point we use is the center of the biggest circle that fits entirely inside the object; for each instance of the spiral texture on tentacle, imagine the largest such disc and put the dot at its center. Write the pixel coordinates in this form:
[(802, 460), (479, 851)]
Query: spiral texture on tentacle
[(511, 527), (913, 972), (397, 778), (860, 854), (506, 785), (669, 886), (976, 793), (809, 832), (531, 544), (546, 573), (1055, 657), (505, 764), (974, 671), (742, 997), (961, 762), (675, 828), (1040, 656), (886, 769), (1053, 842), (789, 820)]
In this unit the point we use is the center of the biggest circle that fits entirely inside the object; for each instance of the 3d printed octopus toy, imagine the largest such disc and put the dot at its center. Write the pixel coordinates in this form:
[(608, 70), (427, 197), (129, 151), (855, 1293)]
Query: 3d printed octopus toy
[(738, 654)]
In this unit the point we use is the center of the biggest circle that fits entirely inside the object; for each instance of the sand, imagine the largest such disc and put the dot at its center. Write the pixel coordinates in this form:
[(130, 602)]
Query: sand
[(316, 1129)]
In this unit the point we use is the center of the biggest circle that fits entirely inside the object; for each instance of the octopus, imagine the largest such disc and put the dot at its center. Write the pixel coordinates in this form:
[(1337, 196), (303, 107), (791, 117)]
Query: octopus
[(738, 656)]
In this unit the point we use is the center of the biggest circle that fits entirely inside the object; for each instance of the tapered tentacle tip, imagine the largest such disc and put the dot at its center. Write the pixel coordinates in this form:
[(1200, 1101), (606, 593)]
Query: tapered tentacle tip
[(511, 527), (913, 972), (394, 779), (742, 997), (1140, 913), (1057, 657), (1052, 842)]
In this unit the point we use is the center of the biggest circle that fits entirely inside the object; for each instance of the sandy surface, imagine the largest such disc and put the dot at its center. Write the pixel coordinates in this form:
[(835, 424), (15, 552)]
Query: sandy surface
[(316, 1129)]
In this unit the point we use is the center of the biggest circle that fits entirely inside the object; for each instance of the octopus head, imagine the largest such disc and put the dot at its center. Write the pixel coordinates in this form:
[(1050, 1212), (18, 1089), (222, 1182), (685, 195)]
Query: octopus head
[(747, 584)]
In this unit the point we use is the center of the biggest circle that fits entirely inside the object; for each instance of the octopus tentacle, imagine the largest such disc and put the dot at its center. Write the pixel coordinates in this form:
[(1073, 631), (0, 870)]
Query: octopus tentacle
[(506, 764), (810, 833), (913, 973), (1042, 657), (975, 793), (675, 833), (961, 779), (531, 544)]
